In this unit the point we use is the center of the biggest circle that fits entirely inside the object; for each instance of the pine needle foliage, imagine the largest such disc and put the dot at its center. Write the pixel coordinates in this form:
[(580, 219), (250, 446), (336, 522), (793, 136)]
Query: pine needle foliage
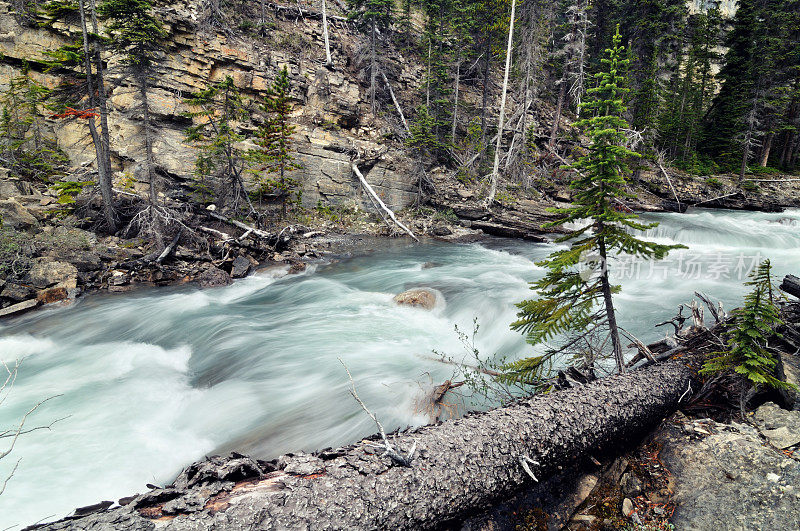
[(23, 146), (274, 140), (574, 302), (135, 31), (217, 110), (754, 325)]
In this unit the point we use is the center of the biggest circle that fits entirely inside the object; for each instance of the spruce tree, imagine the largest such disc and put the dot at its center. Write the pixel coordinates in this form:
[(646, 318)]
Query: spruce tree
[(754, 325), (89, 53), (137, 36), (220, 164), (274, 140), (569, 298), (23, 148)]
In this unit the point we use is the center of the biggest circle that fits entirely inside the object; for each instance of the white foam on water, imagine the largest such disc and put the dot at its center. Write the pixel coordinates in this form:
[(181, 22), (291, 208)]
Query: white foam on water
[(17, 347), (154, 380)]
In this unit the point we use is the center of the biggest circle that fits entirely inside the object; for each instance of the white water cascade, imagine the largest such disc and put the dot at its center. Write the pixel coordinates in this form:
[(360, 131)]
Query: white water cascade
[(153, 380)]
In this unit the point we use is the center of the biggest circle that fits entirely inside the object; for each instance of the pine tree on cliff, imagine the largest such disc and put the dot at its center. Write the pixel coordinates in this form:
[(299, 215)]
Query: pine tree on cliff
[(137, 35), (86, 55), (374, 17), (568, 297), (220, 164), (274, 139), (23, 148)]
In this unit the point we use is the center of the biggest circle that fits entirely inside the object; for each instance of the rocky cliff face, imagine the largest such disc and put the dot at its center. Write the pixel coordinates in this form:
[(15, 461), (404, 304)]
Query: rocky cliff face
[(332, 123)]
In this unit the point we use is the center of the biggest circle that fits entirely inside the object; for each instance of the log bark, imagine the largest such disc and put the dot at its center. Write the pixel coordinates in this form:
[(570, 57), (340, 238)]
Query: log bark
[(460, 466), (791, 285)]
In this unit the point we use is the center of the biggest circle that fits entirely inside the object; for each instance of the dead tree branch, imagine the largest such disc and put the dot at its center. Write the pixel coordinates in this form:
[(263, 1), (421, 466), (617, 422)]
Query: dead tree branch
[(389, 451)]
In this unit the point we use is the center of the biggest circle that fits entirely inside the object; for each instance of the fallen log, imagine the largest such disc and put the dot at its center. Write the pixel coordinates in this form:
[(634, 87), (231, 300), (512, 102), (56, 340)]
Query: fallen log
[(460, 466), (791, 285), (379, 202), (244, 226)]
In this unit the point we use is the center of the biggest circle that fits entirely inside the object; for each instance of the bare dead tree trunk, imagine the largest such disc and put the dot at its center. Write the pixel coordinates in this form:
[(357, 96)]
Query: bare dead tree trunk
[(372, 67), (396, 102), (748, 137), (501, 120), (428, 80), (459, 466), (745, 154), (765, 150), (487, 52), (455, 101), (155, 219), (557, 118), (105, 137), (328, 61)]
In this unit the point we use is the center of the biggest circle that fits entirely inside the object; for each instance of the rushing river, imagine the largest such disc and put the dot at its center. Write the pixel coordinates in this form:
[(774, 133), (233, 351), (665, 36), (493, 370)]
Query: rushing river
[(153, 380)]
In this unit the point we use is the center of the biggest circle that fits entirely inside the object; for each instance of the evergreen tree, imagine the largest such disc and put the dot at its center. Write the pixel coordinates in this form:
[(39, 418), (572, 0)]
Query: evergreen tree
[(753, 326), (423, 138), (137, 35), (690, 90), (573, 51), (220, 163), (568, 297), (274, 139), (760, 64), (95, 109), (23, 148)]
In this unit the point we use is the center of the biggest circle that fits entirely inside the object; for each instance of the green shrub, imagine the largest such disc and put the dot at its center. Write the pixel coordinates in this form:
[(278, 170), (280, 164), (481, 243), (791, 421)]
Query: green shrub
[(713, 181), (760, 170), (749, 186), (68, 190), (446, 215), (753, 326), (699, 164)]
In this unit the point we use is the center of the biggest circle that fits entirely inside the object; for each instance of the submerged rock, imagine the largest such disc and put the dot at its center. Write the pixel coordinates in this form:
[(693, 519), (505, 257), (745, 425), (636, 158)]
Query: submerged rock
[(417, 297)]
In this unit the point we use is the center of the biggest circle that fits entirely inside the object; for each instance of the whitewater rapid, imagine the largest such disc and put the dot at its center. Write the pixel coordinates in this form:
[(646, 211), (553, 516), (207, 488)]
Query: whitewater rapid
[(151, 381)]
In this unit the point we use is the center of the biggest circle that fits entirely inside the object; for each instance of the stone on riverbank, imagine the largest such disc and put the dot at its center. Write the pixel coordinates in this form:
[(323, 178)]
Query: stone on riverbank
[(45, 273), (730, 480), (213, 277)]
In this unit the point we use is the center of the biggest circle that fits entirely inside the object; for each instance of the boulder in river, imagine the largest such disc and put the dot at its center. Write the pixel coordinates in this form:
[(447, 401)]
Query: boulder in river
[(54, 294), (417, 297)]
